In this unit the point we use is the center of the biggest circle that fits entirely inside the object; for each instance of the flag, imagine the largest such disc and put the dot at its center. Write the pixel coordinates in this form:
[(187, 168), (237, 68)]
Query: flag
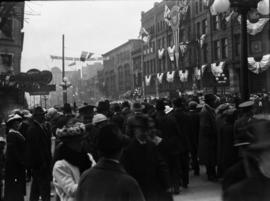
[(83, 56), (144, 35), (72, 63), (167, 16), (89, 55)]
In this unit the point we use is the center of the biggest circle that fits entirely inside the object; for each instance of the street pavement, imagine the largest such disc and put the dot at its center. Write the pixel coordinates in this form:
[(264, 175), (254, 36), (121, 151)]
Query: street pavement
[(200, 190)]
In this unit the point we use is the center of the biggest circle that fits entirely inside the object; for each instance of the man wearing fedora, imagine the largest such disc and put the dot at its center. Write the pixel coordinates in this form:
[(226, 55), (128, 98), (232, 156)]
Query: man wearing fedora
[(38, 156), (256, 165)]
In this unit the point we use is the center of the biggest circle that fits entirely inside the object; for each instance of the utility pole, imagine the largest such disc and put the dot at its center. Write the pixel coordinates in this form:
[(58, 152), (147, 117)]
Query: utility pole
[(63, 71)]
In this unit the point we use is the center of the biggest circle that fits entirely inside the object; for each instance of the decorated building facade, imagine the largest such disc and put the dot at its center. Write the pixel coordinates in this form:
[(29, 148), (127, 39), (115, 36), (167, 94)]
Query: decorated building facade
[(188, 47), (117, 74)]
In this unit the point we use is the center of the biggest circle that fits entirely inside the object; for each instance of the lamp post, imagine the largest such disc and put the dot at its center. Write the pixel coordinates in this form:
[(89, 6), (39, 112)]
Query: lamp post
[(242, 7)]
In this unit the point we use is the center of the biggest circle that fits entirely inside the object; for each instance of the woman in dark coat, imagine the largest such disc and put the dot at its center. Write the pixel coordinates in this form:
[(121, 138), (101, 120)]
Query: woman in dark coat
[(15, 169)]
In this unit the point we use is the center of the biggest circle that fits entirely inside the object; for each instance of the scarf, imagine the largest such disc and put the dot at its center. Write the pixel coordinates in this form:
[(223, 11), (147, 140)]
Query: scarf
[(78, 159)]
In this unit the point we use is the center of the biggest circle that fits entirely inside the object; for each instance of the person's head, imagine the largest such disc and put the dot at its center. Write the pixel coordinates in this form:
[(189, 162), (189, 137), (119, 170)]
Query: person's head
[(51, 113), (259, 149), (99, 119), (160, 105), (39, 114), (137, 107), (140, 127), (14, 121), (211, 100), (110, 141), (178, 103), (126, 104), (72, 135), (247, 108), (192, 105)]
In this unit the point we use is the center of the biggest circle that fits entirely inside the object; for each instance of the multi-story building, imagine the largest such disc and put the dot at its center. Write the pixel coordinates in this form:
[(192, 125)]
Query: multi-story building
[(90, 70), (207, 43), (118, 69), (11, 46)]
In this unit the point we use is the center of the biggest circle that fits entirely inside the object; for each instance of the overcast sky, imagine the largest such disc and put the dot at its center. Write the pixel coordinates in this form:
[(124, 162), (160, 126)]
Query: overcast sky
[(96, 26)]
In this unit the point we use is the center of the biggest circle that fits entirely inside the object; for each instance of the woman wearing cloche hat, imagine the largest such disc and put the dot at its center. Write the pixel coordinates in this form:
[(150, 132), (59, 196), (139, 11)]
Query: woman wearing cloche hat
[(15, 169)]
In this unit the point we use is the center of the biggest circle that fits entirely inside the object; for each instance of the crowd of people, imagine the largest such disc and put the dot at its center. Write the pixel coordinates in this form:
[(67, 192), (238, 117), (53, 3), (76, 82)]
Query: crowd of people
[(139, 151)]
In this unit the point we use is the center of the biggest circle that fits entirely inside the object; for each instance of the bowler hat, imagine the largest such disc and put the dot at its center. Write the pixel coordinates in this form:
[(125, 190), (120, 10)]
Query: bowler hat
[(86, 109), (137, 107), (209, 97), (39, 111)]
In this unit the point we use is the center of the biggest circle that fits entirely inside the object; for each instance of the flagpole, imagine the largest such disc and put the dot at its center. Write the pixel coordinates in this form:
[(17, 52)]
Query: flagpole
[(63, 71)]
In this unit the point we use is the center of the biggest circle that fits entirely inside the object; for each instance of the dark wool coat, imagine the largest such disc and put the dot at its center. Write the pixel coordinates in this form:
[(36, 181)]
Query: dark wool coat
[(38, 148), (108, 181), (208, 137), (14, 168), (143, 162), (193, 132), (251, 189)]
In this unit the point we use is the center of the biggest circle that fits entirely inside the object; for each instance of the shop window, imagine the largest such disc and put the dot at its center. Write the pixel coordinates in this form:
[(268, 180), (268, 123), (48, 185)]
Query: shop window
[(237, 43), (224, 44), (217, 50), (204, 26), (6, 25)]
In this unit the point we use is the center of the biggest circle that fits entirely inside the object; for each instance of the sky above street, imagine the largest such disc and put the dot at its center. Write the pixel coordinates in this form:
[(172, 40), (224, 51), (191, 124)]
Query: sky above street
[(95, 26)]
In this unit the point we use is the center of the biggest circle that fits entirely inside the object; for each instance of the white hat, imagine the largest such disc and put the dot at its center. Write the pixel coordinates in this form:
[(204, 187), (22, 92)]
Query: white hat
[(98, 118), (168, 109), (13, 117)]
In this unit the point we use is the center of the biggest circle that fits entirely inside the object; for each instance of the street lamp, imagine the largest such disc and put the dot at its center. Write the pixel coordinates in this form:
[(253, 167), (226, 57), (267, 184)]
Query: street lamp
[(242, 7), (65, 84)]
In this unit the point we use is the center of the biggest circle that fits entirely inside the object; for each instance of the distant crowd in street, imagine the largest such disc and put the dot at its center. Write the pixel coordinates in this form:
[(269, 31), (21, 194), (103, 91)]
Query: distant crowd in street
[(137, 151)]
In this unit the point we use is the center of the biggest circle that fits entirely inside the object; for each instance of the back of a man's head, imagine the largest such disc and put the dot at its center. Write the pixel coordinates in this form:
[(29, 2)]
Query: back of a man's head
[(110, 141)]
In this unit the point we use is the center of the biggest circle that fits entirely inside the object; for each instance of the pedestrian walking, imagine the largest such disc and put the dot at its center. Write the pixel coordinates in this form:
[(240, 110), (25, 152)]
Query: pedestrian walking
[(15, 187)]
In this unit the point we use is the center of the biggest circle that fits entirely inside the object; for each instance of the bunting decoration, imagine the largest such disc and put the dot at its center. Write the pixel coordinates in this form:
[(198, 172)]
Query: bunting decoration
[(230, 16), (160, 77), (255, 28), (183, 48), (85, 56), (175, 21), (144, 35), (202, 40), (167, 16), (72, 64), (183, 75), (171, 52), (184, 5), (217, 69), (148, 80), (170, 76), (197, 73), (259, 66), (161, 53), (203, 68), (206, 3)]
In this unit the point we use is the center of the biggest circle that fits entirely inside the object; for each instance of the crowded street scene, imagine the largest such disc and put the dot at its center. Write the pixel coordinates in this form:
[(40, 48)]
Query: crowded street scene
[(135, 100)]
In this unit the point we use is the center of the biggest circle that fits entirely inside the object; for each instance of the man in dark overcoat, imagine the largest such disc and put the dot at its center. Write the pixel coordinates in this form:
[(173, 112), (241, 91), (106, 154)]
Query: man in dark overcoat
[(142, 161), (38, 156), (108, 180), (208, 137)]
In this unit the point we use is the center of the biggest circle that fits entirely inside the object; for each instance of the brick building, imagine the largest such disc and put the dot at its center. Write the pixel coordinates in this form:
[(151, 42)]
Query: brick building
[(206, 42), (118, 69)]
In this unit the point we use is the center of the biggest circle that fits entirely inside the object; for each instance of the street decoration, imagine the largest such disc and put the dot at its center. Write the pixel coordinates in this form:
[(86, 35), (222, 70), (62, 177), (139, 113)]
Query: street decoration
[(183, 75), (197, 73), (171, 51), (183, 48), (202, 40), (160, 77), (257, 27), (167, 16), (170, 76), (175, 21), (259, 66), (72, 64), (144, 35), (85, 56), (161, 53), (148, 80), (217, 68)]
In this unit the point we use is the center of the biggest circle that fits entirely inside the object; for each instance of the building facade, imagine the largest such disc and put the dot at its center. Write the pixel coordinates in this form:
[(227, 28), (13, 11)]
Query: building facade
[(118, 69), (11, 46), (207, 43)]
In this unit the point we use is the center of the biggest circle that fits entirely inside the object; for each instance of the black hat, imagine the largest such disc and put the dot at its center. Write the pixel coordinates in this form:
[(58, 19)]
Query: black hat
[(39, 111), (160, 105), (260, 129), (209, 97), (110, 139), (138, 107), (86, 109)]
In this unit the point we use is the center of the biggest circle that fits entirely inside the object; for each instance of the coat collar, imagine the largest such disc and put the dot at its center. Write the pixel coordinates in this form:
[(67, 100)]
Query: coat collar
[(112, 165)]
